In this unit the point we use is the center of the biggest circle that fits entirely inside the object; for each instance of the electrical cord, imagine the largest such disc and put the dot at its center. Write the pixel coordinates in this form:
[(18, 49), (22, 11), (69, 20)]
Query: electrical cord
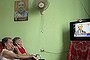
[(55, 52)]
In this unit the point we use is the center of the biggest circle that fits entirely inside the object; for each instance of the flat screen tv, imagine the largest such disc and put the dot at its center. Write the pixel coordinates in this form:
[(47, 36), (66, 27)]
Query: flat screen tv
[(80, 30)]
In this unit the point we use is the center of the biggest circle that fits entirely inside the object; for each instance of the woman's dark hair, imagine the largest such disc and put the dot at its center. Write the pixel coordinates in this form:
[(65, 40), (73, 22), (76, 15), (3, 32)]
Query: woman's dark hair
[(4, 40), (15, 39)]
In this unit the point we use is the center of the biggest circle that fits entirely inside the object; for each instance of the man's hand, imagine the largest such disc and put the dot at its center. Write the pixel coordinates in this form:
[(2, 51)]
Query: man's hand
[(35, 58)]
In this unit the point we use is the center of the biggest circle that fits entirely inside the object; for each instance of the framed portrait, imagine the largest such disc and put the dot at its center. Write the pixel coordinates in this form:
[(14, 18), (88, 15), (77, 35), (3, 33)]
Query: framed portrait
[(21, 10)]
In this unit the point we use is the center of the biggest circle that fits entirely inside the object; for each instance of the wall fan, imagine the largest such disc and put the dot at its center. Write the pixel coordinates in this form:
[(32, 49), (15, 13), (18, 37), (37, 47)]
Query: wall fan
[(41, 5)]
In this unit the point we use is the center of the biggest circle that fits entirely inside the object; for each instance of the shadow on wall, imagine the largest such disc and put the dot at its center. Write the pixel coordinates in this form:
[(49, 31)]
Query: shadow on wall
[(89, 8), (66, 41), (33, 10)]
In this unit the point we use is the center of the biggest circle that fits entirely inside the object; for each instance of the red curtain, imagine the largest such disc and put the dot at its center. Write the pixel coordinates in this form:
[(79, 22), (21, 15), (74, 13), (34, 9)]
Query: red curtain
[(79, 50)]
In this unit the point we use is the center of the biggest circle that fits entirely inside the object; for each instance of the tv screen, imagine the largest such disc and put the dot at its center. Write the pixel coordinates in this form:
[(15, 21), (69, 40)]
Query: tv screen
[(80, 30)]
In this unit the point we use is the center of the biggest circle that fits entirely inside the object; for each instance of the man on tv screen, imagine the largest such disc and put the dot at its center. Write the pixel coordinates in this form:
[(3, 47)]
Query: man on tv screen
[(80, 30)]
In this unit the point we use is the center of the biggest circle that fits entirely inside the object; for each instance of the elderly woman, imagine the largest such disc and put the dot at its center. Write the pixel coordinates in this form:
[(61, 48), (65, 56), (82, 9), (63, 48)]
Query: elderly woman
[(18, 43)]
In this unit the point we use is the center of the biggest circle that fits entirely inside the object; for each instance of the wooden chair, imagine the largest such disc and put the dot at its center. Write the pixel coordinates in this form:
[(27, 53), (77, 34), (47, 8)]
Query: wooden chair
[(0, 47)]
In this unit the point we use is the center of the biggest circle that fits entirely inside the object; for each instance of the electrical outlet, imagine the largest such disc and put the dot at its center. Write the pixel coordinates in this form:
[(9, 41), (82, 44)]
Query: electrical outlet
[(42, 50)]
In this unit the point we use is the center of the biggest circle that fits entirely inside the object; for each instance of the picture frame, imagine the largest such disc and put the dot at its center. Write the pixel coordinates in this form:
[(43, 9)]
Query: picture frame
[(21, 10)]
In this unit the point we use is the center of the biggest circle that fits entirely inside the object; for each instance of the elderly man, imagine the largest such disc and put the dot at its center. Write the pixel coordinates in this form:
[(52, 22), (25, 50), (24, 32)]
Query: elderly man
[(21, 13), (80, 30), (7, 53)]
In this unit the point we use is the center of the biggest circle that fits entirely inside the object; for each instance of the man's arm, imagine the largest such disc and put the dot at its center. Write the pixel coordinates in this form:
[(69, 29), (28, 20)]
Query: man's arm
[(8, 54)]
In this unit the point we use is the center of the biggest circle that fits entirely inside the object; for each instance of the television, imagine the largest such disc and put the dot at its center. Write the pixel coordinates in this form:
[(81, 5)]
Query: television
[(80, 30)]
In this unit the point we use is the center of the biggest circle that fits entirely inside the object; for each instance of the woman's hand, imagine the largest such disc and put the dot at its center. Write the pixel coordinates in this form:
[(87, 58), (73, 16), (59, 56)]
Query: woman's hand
[(16, 50), (17, 45)]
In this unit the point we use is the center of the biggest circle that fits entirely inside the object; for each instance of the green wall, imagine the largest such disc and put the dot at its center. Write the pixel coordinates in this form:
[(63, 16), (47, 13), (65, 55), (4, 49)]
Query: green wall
[(54, 24)]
